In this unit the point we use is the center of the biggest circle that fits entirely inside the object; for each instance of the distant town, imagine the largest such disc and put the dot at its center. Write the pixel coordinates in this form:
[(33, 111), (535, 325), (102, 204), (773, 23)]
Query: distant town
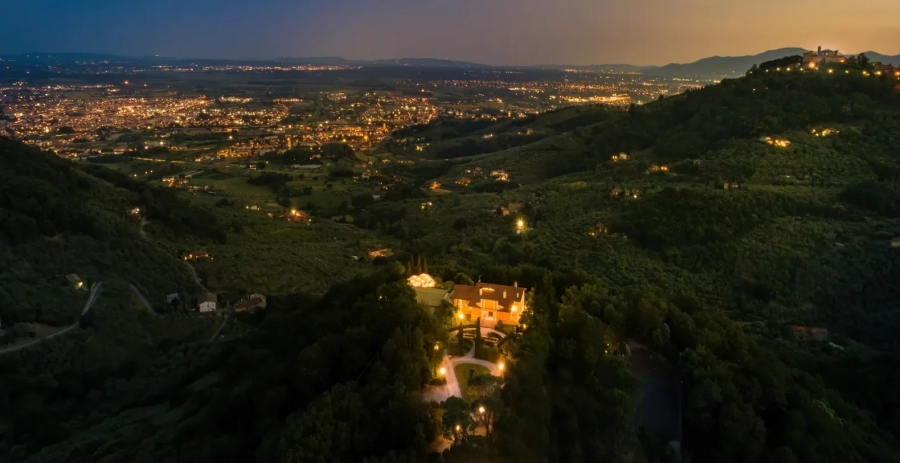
[(244, 111)]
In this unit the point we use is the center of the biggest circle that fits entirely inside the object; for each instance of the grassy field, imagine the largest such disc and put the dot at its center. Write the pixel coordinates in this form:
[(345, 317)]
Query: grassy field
[(462, 371)]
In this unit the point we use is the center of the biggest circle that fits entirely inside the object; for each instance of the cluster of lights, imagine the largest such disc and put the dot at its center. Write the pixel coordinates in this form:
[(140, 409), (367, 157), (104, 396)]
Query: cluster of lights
[(825, 132), (779, 142), (422, 280)]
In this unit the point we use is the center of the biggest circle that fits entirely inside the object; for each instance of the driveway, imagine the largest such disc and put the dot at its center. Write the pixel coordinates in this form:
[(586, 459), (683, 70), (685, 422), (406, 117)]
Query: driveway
[(451, 389), (95, 291)]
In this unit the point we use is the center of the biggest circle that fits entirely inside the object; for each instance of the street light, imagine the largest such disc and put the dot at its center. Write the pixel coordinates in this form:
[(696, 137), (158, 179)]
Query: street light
[(481, 410), (461, 316), (437, 346), (442, 371), (501, 366)]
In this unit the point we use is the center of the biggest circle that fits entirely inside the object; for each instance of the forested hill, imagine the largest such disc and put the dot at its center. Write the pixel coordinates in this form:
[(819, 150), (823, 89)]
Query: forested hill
[(770, 201), (59, 218), (738, 211), (772, 196)]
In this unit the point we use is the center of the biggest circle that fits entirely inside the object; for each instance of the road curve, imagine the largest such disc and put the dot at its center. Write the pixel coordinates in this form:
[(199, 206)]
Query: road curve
[(190, 267), (144, 301), (95, 291)]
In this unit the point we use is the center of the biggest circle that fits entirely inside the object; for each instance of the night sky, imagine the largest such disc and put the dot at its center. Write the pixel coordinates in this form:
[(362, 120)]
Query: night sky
[(486, 31)]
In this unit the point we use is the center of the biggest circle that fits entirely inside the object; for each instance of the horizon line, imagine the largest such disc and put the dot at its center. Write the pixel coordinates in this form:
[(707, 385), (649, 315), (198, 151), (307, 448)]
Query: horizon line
[(362, 60)]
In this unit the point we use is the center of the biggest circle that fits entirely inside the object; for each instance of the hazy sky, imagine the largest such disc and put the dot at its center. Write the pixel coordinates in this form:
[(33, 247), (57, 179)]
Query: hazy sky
[(487, 31)]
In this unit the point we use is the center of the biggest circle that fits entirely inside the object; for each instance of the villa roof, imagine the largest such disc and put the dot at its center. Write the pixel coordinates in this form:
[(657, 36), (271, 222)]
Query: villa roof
[(504, 295), (207, 297)]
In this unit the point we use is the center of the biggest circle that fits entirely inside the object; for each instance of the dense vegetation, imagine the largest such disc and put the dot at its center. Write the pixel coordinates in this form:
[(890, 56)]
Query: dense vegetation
[(57, 219), (676, 273), (334, 379)]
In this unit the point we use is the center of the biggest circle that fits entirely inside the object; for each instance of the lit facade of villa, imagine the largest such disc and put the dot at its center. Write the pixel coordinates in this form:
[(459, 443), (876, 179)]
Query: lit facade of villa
[(492, 303), (812, 59)]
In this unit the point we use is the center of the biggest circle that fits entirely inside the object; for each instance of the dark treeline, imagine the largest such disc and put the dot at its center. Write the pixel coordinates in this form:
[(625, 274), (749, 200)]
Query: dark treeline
[(329, 379)]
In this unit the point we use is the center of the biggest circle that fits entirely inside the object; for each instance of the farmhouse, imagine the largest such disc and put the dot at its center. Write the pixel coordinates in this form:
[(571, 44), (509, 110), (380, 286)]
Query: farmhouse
[(255, 301), (207, 302), (75, 281), (515, 208), (599, 229), (492, 303), (380, 252)]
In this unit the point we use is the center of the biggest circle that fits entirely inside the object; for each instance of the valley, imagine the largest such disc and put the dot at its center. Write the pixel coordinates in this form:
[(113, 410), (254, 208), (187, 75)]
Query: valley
[(743, 236)]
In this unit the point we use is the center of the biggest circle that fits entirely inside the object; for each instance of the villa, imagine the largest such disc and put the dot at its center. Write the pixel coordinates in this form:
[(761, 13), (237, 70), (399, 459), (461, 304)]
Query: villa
[(492, 303), (811, 59)]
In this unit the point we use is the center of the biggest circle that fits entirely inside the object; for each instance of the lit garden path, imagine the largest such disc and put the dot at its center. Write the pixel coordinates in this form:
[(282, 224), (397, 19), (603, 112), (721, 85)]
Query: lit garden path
[(452, 389)]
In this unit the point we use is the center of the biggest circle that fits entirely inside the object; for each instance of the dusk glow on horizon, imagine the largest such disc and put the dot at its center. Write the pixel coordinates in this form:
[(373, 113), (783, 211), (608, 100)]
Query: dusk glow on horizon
[(492, 32)]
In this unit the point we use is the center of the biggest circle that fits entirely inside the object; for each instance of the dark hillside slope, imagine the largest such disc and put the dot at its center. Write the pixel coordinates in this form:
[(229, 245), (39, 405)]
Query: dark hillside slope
[(59, 218)]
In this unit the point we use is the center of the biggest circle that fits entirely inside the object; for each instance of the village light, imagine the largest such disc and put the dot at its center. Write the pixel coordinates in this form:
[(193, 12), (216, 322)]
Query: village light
[(442, 371), (501, 366), (481, 410), (460, 316), (458, 427), (437, 346)]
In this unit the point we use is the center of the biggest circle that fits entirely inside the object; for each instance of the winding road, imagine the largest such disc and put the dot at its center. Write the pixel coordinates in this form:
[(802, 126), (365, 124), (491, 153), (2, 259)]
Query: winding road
[(95, 291), (190, 267), (144, 301), (143, 232), (194, 274)]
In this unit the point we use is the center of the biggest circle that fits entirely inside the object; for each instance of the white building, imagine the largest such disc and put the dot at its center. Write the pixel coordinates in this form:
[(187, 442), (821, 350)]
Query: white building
[(207, 302)]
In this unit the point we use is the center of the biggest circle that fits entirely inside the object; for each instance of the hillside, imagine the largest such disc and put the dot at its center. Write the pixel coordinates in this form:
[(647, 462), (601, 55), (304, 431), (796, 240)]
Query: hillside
[(717, 66), (704, 246), (885, 59), (57, 218), (826, 196), (773, 236)]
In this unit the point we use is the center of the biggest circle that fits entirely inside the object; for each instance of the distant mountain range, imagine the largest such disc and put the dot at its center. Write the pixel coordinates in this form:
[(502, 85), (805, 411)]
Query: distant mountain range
[(715, 66), (722, 65), (885, 59)]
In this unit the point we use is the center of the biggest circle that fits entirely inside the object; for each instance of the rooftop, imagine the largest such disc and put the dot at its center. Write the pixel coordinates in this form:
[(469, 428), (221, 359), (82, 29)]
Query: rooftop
[(431, 297), (504, 295)]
